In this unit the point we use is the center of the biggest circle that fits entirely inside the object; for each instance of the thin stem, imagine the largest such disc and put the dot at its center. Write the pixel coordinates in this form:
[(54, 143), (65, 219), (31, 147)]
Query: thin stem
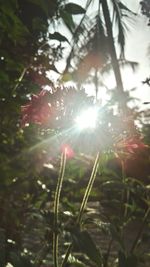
[(127, 201), (56, 208), (67, 255), (88, 189), (20, 79), (108, 253), (83, 204)]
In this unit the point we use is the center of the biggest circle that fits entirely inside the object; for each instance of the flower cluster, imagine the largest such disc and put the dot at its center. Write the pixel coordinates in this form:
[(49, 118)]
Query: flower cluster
[(38, 110), (130, 145)]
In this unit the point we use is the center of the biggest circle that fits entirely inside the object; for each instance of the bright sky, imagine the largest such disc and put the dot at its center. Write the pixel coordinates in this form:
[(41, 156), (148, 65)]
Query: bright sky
[(138, 49)]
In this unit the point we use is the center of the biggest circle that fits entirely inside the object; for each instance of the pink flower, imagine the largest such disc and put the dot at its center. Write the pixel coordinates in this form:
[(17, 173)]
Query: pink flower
[(38, 110)]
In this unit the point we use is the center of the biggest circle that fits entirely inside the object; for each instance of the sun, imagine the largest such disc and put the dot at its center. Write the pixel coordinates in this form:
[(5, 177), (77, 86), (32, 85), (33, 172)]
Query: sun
[(87, 119)]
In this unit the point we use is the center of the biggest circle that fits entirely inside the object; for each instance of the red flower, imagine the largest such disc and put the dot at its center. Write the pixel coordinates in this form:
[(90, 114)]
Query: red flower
[(66, 149), (130, 145), (38, 110)]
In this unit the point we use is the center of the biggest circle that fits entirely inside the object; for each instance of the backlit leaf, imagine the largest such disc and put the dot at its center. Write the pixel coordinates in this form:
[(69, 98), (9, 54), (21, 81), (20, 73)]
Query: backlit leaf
[(74, 9)]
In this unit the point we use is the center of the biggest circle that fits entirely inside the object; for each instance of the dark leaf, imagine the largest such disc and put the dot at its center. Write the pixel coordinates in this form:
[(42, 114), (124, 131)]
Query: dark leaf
[(116, 236), (74, 9), (52, 67), (86, 244), (58, 36)]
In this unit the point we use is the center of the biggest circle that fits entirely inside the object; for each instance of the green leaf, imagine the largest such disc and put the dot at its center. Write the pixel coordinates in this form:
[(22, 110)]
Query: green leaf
[(67, 77), (42, 4), (58, 36), (116, 236), (2, 246), (74, 9), (86, 244), (67, 18), (75, 262), (127, 261), (122, 259), (4, 76)]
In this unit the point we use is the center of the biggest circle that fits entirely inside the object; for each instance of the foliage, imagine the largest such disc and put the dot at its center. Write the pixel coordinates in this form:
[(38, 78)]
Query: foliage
[(38, 125), (145, 8)]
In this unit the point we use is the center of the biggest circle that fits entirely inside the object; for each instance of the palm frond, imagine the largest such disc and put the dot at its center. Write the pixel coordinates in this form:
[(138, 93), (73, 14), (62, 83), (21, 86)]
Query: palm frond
[(76, 35), (125, 8), (119, 24), (127, 63), (92, 51), (119, 12), (122, 63)]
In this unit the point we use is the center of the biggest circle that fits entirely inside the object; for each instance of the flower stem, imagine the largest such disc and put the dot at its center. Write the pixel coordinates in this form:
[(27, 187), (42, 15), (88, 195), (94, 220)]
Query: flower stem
[(56, 208), (88, 189), (83, 204)]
